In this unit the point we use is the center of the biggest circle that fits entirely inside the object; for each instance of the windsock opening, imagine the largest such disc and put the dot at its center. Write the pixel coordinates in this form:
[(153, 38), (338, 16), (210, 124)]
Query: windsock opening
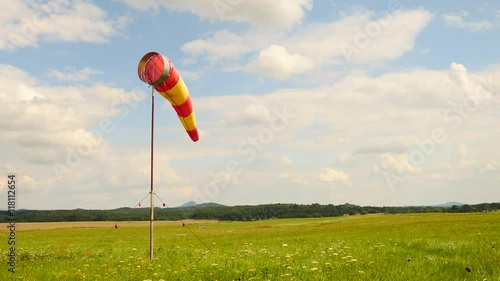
[(153, 69)]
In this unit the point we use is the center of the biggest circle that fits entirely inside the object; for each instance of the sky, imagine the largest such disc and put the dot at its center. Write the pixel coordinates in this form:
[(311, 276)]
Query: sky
[(379, 103)]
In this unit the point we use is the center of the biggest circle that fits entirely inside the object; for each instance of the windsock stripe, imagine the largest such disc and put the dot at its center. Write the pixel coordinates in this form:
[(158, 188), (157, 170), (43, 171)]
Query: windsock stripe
[(171, 81), (184, 109), (193, 134), (188, 122), (178, 94)]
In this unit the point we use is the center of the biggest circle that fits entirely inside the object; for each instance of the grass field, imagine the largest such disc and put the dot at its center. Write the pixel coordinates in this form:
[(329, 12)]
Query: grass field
[(371, 247)]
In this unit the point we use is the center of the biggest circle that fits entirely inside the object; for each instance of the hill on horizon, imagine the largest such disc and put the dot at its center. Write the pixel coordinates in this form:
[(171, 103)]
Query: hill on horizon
[(191, 204), (450, 204)]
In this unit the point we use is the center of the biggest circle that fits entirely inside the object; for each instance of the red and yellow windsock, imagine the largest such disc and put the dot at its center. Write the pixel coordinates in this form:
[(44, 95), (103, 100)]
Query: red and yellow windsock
[(159, 72)]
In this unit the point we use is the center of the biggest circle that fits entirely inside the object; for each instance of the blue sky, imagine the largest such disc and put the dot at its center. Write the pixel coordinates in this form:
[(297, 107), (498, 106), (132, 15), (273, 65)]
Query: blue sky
[(297, 101)]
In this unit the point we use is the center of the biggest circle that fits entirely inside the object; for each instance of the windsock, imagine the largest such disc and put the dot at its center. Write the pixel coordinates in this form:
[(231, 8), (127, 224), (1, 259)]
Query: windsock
[(159, 72)]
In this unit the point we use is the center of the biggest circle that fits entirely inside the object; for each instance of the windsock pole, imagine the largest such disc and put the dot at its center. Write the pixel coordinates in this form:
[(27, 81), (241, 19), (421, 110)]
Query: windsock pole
[(151, 217)]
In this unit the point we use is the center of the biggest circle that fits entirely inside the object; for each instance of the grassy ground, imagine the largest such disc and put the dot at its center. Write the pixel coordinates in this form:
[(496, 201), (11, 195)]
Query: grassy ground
[(371, 247)]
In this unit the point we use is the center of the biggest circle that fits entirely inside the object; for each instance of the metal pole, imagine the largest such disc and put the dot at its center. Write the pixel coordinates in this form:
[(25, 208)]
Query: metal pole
[(152, 188)]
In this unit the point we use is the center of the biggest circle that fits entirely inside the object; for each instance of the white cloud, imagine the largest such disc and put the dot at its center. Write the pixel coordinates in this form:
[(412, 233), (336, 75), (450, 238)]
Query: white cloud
[(279, 13), (301, 181), (315, 45), (223, 45), (286, 161), (49, 119), (462, 150), (457, 20), (332, 175), (25, 24), (284, 176), (190, 75), (424, 51), (389, 41), (73, 75), (397, 163), (277, 62), (488, 168)]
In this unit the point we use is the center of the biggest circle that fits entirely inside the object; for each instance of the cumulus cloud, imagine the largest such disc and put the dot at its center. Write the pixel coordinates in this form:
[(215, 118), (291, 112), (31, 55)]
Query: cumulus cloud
[(24, 24), (278, 13), (332, 175), (221, 46), (488, 168), (462, 150), (286, 161), (277, 62), (52, 118), (73, 75), (315, 45), (457, 20), (398, 163)]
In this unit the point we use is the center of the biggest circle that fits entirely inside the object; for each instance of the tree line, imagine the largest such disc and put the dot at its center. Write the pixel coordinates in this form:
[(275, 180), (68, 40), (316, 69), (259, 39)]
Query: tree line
[(233, 213)]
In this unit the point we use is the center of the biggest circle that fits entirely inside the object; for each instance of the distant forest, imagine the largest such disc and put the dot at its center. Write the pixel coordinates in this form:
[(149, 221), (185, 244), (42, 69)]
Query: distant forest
[(212, 211)]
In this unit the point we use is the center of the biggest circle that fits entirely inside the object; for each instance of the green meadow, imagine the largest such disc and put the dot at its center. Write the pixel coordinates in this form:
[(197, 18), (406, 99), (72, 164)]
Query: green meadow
[(369, 247)]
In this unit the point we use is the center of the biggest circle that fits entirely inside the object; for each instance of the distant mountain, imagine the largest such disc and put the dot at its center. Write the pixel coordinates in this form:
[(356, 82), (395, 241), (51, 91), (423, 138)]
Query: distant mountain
[(450, 204), (202, 205), (188, 204), (209, 204)]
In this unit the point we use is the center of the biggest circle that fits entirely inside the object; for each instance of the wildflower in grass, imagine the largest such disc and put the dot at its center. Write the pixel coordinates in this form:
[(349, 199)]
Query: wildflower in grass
[(361, 271), (134, 249), (327, 263), (214, 264), (314, 269), (285, 245), (354, 260)]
